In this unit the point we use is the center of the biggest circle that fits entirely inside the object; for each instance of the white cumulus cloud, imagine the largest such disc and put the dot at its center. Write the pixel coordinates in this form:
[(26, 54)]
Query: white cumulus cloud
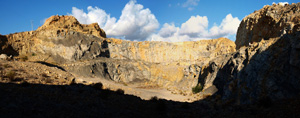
[(196, 28), (138, 23), (227, 27), (168, 30), (94, 15), (135, 22)]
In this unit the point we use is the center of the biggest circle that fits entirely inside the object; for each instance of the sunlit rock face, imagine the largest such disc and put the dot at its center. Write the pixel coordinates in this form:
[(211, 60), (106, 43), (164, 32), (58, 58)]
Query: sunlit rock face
[(71, 23), (85, 51), (269, 22), (60, 39), (158, 52)]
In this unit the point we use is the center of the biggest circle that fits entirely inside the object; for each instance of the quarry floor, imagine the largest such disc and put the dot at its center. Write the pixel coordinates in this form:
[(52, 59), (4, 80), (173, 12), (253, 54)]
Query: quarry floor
[(137, 90)]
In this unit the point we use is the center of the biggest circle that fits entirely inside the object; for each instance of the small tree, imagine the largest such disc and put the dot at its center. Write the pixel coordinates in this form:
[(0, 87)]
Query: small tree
[(197, 88)]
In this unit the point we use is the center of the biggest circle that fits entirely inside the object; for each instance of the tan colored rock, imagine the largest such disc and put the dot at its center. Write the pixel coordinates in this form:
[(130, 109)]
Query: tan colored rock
[(267, 23), (83, 51), (60, 39), (71, 23), (159, 52)]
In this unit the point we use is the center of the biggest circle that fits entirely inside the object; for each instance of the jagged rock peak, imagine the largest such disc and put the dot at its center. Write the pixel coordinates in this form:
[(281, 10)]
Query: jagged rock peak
[(71, 23), (270, 22)]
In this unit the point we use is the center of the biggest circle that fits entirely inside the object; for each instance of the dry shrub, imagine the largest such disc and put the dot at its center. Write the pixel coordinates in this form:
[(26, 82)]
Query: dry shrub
[(11, 75), (48, 80), (197, 88), (98, 85), (24, 58)]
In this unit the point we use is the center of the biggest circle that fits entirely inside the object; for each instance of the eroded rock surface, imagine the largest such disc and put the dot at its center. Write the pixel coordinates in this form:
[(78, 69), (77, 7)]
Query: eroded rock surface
[(268, 68), (159, 52), (70, 23), (268, 22), (264, 67), (84, 51)]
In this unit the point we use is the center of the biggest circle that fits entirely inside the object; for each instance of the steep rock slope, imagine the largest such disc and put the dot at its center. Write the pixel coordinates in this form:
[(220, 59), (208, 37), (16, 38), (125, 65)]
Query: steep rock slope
[(268, 22), (268, 69)]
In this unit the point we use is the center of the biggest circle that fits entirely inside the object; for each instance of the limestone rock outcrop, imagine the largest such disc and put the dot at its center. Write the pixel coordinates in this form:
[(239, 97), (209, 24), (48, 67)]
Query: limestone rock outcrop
[(84, 51), (65, 23), (267, 69), (269, 22), (158, 52), (60, 39), (175, 66)]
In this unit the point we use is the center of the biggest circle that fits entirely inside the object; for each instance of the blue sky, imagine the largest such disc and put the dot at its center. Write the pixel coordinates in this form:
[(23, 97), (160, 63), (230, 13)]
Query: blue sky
[(161, 20)]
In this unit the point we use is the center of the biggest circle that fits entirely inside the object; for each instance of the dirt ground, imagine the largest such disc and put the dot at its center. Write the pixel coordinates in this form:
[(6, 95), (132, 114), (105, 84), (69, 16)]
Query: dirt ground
[(139, 90)]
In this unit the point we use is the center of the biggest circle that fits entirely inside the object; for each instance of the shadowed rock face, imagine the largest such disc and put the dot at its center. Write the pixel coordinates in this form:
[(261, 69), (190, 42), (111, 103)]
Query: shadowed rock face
[(268, 68)]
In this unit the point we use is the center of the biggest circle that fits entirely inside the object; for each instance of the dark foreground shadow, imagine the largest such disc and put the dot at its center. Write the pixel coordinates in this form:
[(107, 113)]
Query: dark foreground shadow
[(268, 75), (76, 100)]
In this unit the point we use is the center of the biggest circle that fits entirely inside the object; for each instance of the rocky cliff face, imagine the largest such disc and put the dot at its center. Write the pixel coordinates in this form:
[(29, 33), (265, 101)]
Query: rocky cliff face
[(267, 23), (268, 68), (84, 51), (158, 52)]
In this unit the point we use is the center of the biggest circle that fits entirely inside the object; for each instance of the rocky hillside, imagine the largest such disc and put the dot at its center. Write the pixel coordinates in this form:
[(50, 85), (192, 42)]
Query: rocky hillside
[(267, 23), (262, 65), (61, 39), (84, 51), (66, 23), (266, 65)]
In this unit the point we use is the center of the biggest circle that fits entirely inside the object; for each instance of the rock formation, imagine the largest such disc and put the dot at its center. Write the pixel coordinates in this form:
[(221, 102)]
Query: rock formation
[(65, 23), (84, 51), (159, 52), (268, 68), (263, 63), (267, 23)]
